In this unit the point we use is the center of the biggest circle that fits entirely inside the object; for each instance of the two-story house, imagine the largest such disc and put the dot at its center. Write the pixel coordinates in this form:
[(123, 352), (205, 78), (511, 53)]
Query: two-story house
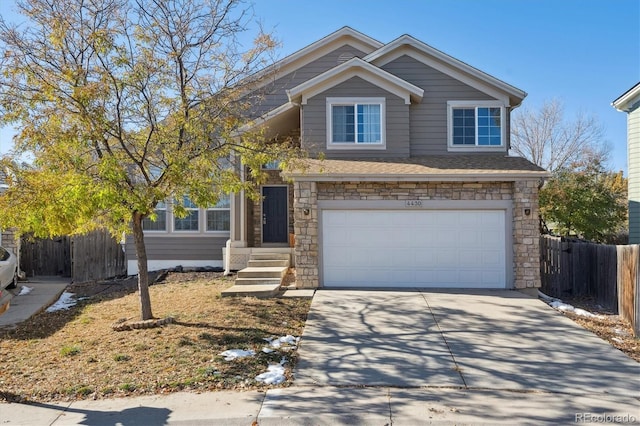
[(409, 184)]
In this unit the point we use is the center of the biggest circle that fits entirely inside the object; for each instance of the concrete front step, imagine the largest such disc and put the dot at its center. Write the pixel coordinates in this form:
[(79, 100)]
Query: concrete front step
[(259, 290), (258, 281), (263, 272), (263, 263), (270, 256)]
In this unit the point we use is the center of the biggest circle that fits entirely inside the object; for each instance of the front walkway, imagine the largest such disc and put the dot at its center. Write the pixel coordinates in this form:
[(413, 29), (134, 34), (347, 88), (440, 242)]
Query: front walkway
[(44, 291)]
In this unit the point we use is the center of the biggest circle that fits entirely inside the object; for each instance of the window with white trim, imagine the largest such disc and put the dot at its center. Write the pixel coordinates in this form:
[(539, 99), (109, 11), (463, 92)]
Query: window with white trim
[(476, 125), (355, 122), (272, 165), (160, 222), (189, 222), (219, 216)]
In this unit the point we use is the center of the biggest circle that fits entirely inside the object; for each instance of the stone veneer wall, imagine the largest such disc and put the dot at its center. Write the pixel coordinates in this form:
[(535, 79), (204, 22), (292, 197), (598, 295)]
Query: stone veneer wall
[(523, 193), (255, 212), (9, 241)]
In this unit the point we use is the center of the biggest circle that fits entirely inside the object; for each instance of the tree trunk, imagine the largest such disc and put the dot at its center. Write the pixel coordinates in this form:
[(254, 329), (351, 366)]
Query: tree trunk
[(143, 273)]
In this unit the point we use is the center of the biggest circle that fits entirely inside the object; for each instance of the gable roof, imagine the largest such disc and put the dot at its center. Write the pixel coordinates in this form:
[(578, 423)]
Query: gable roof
[(629, 100), (408, 45), (352, 68), (369, 68), (345, 35)]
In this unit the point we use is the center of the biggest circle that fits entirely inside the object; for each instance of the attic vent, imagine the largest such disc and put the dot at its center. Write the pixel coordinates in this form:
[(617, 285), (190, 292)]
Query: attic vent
[(345, 57)]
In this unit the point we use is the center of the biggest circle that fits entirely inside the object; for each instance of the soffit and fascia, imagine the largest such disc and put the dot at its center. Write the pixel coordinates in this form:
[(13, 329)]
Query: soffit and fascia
[(629, 100)]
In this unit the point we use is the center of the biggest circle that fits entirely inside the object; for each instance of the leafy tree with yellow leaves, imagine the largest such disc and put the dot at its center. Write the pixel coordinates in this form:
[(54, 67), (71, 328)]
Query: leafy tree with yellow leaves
[(122, 104)]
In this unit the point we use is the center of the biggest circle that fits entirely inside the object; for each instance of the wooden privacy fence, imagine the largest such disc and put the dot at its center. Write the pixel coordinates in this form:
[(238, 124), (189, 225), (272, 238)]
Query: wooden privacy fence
[(93, 256), (610, 274), (628, 285), (46, 257)]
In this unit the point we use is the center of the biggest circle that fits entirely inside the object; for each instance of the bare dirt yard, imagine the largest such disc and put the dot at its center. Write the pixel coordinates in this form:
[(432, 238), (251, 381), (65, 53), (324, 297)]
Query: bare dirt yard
[(76, 354), (607, 325)]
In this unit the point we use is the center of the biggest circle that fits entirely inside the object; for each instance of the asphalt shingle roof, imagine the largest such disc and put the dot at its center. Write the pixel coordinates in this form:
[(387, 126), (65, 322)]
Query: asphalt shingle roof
[(441, 166)]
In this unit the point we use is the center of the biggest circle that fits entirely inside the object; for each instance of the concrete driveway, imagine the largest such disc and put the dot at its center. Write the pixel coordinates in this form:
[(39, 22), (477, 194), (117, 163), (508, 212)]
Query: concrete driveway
[(502, 340), (482, 347)]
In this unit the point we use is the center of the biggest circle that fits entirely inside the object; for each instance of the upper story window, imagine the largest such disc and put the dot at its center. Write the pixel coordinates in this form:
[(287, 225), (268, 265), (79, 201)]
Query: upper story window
[(356, 123), (476, 125)]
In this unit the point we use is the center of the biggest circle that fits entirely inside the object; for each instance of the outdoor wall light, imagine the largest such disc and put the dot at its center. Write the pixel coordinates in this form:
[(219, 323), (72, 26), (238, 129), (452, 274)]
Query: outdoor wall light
[(306, 212), (527, 211)]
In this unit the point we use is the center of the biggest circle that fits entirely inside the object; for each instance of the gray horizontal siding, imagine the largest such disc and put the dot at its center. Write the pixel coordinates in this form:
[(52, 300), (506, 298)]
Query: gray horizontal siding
[(428, 127), (633, 142), (172, 247), (314, 121), (275, 94)]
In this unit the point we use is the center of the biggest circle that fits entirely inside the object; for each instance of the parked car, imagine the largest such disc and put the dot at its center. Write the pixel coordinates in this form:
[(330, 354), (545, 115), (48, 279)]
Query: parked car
[(8, 277)]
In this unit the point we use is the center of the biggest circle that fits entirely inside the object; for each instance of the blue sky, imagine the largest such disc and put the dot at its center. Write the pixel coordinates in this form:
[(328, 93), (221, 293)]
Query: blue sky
[(583, 52)]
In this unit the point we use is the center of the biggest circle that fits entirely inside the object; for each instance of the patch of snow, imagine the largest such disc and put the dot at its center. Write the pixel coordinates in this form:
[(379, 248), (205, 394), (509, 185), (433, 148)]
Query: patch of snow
[(65, 301), (25, 290), (267, 350), (277, 342), (273, 376), (231, 354), (565, 307), (615, 339)]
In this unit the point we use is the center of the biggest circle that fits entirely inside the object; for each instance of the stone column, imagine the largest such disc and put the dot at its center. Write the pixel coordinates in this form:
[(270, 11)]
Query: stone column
[(526, 235), (305, 213)]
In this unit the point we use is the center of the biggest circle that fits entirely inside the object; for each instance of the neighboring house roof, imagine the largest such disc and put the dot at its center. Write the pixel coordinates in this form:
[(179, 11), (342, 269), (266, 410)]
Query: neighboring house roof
[(473, 167), (407, 45), (355, 67), (629, 100)]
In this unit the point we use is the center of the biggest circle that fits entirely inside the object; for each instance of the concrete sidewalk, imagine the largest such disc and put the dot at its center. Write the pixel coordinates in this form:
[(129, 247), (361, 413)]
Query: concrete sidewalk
[(333, 406), (45, 291)]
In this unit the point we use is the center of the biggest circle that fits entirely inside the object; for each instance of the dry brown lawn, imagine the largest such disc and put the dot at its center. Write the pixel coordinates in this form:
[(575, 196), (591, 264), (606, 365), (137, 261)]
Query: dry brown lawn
[(75, 354), (608, 326)]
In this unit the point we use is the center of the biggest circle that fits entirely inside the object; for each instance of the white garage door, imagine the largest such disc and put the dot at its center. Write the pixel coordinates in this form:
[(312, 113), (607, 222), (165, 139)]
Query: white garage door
[(417, 248)]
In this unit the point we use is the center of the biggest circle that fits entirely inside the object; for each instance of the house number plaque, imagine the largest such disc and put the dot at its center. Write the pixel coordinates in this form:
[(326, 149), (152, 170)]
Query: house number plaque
[(413, 203)]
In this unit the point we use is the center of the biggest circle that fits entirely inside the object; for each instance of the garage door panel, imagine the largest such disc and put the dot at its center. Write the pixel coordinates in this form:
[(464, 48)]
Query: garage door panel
[(419, 248), (447, 258), (365, 275), (400, 259), (492, 258), (425, 257), (491, 239), (470, 258)]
